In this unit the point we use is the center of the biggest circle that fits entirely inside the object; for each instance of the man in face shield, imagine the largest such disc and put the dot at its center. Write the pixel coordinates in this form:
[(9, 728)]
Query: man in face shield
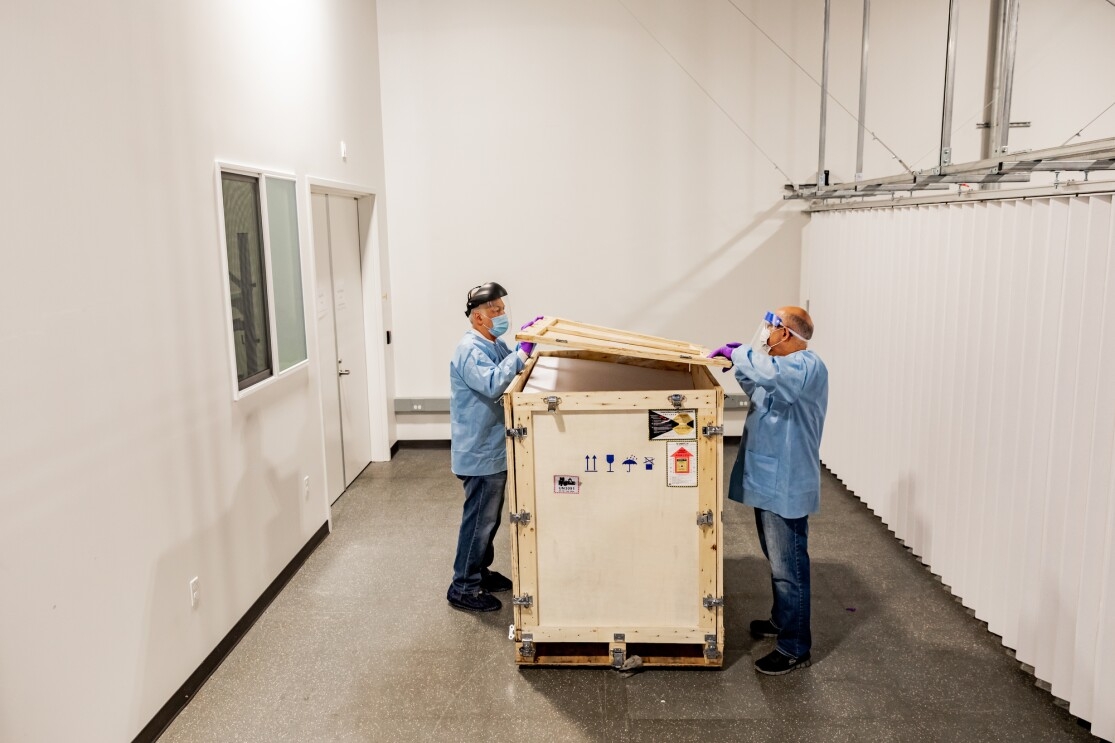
[(482, 368), (777, 470)]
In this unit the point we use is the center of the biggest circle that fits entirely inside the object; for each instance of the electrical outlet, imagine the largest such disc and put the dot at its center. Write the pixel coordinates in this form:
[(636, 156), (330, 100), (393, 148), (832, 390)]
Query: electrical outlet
[(195, 592), (306, 487)]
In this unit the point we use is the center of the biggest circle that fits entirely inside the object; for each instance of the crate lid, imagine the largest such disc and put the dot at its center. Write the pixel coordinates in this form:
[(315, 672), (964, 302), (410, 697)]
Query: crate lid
[(556, 331)]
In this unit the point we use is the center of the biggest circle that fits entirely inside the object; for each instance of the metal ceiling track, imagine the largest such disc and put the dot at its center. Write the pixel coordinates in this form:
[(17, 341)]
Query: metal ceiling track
[(1082, 157), (996, 166)]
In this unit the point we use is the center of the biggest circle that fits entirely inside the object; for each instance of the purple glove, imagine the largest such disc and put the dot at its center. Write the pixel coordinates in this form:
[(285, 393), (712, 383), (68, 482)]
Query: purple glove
[(526, 346), (726, 352)]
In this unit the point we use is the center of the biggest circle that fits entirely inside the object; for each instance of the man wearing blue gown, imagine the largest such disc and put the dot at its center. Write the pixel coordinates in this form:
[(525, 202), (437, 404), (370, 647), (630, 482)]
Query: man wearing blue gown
[(482, 368), (777, 470)]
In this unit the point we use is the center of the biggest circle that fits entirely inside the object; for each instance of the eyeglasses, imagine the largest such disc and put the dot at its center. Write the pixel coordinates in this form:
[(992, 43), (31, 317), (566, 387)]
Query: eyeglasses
[(775, 321)]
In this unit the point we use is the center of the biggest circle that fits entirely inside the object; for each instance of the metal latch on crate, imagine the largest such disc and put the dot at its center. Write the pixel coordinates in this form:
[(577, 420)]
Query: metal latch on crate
[(706, 519), (617, 657), (552, 402), (525, 600), (712, 430), (711, 603), (712, 652), (676, 400), (518, 432), (522, 517), (527, 649)]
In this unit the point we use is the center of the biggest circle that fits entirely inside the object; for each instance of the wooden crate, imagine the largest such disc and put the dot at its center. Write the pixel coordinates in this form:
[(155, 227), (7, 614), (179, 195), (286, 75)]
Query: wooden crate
[(615, 453)]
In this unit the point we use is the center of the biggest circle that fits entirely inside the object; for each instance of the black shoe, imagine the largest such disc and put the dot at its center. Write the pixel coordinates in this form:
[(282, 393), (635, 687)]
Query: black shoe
[(493, 582), (763, 628), (482, 601), (776, 663)]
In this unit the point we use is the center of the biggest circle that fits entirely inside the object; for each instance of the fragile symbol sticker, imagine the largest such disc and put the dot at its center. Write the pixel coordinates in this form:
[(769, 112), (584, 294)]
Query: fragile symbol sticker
[(672, 424), (681, 472), (567, 484)]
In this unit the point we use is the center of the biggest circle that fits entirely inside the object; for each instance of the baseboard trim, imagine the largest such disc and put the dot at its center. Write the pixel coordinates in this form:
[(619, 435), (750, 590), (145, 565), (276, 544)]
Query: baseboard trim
[(423, 444), (162, 719)]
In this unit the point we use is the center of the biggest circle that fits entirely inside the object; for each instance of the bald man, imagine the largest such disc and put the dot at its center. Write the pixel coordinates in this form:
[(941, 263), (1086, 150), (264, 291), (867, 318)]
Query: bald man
[(778, 472)]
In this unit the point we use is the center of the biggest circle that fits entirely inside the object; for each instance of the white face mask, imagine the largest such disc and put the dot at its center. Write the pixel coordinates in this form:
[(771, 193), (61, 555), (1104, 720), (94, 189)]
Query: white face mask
[(759, 340)]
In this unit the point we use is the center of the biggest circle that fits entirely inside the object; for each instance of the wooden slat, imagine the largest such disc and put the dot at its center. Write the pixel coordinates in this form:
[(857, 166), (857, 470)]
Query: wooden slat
[(559, 326), (605, 401), (559, 332), (551, 633), (520, 496), (572, 329), (618, 358), (708, 548), (598, 654)]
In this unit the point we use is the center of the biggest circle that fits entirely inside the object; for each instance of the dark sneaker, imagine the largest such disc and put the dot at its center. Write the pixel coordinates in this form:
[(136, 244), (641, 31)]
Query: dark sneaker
[(763, 628), (495, 583), (776, 663), (482, 601)]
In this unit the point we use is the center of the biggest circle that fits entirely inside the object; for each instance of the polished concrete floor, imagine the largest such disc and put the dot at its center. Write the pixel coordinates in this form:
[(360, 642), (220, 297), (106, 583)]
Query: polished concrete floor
[(361, 646)]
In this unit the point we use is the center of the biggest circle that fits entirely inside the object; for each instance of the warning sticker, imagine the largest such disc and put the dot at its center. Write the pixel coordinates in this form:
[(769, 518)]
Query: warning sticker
[(681, 472), (567, 484), (672, 424)]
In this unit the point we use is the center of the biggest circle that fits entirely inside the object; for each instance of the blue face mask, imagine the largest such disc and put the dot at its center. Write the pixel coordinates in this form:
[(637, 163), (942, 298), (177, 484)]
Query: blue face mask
[(499, 325)]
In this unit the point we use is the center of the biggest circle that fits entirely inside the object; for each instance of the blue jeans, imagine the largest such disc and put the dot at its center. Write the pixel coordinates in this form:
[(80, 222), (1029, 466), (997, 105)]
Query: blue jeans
[(785, 543), (482, 513)]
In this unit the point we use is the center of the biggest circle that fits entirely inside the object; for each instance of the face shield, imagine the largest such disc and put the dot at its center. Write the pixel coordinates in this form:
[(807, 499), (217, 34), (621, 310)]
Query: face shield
[(760, 341)]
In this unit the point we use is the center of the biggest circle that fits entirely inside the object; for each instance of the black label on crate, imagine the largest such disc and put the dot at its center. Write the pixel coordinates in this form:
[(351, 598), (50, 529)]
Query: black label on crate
[(567, 484), (677, 425)]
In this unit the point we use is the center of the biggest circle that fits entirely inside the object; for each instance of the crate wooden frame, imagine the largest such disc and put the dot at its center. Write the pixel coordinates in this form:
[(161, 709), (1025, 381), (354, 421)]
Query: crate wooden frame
[(603, 645)]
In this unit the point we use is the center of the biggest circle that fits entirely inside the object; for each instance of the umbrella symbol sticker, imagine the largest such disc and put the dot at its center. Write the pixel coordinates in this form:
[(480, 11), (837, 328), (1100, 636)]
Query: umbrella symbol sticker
[(630, 461)]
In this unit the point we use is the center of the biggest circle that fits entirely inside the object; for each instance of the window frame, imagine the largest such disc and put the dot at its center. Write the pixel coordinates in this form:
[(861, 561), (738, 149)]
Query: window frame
[(260, 175)]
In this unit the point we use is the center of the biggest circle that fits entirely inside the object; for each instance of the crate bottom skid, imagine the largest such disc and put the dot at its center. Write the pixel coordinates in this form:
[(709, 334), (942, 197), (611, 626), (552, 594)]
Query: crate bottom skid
[(615, 453)]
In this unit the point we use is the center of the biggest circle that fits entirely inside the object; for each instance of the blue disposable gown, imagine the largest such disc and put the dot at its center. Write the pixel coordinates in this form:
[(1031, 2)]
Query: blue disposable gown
[(478, 374), (778, 466)]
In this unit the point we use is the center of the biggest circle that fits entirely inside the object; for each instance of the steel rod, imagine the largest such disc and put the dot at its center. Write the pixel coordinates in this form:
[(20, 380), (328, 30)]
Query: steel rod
[(995, 32), (821, 180), (1098, 149), (950, 85), (976, 178), (903, 187), (862, 88), (1066, 188), (1006, 84), (1072, 166)]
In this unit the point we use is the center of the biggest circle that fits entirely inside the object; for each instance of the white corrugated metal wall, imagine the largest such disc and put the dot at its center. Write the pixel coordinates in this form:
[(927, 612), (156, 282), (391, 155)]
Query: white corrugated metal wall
[(971, 352)]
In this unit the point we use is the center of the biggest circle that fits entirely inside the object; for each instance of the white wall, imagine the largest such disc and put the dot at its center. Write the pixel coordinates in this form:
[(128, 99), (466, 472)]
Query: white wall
[(559, 149), (127, 469), (970, 409)]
